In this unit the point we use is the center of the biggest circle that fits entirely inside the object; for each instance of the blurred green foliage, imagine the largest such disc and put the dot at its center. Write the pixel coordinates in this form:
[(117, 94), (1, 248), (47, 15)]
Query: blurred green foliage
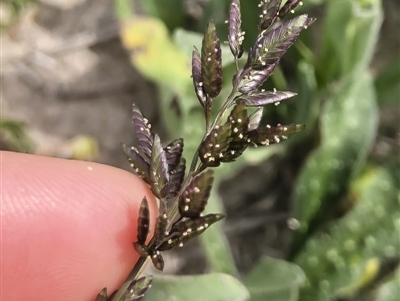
[(14, 8), (204, 288), (13, 136), (347, 245), (280, 285)]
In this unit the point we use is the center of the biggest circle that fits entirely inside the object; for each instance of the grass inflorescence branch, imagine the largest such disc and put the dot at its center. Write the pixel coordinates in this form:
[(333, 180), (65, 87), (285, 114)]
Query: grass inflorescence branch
[(182, 193)]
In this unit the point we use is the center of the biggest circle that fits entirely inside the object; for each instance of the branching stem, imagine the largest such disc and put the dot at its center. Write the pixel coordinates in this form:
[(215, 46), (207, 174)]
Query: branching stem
[(173, 211)]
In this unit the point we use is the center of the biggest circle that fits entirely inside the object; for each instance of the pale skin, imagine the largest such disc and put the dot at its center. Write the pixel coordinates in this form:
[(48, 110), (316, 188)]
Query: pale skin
[(67, 227)]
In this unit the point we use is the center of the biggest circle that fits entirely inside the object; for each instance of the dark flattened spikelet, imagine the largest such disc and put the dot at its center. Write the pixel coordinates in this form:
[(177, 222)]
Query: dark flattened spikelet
[(175, 180), (159, 175), (143, 222), (158, 260), (140, 286), (161, 228), (239, 126), (194, 198), (212, 149), (188, 229), (271, 46), (197, 78), (142, 128), (102, 296), (235, 35), (254, 119), (269, 13), (252, 79), (139, 165), (173, 152), (211, 63), (273, 134), (289, 6), (262, 98)]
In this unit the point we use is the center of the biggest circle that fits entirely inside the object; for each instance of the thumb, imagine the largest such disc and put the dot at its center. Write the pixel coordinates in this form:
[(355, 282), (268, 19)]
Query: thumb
[(67, 227)]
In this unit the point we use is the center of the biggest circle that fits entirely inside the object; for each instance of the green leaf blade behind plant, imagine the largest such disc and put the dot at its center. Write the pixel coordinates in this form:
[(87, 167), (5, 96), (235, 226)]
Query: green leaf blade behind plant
[(158, 58), (351, 30), (214, 241), (387, 84), (338, 263), (348, 129), (209, 287), (275, 280), (171, 12)]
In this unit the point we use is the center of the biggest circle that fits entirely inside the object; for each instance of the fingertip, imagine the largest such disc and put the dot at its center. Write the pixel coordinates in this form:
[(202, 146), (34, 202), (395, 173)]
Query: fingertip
[(67, 227)]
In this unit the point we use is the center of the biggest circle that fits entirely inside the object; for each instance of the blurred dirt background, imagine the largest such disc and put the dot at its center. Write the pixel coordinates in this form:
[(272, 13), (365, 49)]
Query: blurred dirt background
[(66, 75)]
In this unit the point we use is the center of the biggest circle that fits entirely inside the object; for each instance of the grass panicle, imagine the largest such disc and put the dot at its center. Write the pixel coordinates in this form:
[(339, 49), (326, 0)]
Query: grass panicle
[(183, 192)]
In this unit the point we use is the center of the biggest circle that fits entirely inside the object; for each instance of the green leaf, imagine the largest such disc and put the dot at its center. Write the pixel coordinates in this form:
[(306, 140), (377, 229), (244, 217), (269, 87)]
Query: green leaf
[(171, 12), (158, 58), (351, 256), (216, 10), (14, 135), (214, 241), (351, 30), (348, 128), (123, 9), (387, 84), (210, 287), (305, 103), (274, 280)]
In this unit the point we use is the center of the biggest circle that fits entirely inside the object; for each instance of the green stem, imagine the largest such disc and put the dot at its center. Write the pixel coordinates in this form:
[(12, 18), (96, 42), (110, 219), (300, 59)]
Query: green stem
[(119, 296), (217, 119), (237, 64), (207, 112)]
